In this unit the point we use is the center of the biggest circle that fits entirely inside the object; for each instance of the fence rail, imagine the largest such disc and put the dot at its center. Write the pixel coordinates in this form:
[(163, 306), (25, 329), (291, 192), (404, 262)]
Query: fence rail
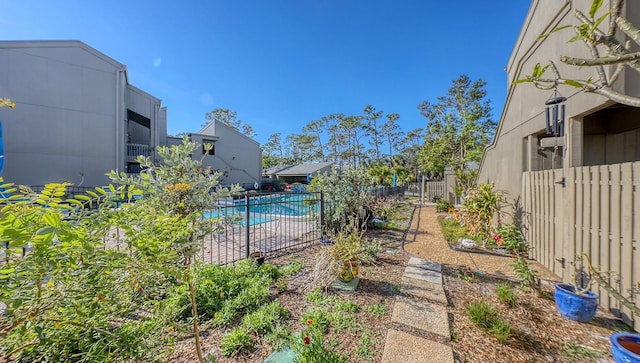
[(595, 213), (255, 222), (433, 190)]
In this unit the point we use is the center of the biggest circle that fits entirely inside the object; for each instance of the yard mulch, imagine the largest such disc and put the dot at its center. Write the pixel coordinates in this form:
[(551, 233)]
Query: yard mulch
[(539, 333)]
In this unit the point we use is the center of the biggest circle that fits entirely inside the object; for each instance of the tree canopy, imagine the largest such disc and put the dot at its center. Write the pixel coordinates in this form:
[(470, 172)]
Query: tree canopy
[(459, 126)]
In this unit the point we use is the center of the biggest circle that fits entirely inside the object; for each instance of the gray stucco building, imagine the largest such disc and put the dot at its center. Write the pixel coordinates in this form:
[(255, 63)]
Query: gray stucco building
[(77, 117)]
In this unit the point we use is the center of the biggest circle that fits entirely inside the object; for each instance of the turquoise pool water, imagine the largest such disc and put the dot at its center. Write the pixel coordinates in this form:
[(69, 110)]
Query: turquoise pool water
[(295, 205), (240, 219)]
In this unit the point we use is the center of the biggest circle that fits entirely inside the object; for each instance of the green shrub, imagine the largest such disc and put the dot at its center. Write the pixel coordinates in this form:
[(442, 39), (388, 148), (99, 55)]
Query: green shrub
[(292, 268), (443, 205), (264, 318), (501, 330), (279, 336), (224, 292), (478, 210), (370, 250), (524, 272), (235, 342), (453, 230), (486, 317), (506, 295), (377, 309), (509, 237)]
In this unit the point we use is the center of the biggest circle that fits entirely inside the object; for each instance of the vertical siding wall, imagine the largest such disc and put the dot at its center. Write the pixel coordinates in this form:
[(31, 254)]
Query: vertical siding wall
[(597, 213)]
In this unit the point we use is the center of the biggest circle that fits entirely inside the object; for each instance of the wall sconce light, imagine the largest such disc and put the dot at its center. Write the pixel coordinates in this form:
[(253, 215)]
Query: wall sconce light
[(555, 112)]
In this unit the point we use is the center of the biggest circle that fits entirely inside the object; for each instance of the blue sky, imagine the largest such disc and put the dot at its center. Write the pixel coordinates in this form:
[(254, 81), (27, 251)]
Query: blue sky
[(281, 64)]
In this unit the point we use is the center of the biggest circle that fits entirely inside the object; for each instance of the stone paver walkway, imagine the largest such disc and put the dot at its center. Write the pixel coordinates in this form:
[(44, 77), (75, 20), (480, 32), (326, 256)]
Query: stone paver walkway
[(421, 305)]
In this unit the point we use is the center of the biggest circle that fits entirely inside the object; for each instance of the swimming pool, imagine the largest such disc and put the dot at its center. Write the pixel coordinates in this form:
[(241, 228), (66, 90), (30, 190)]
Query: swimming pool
[(238, 219), (293, 205)]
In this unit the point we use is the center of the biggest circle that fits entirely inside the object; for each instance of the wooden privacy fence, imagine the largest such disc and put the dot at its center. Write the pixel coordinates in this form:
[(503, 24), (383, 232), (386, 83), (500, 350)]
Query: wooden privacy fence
[(596, 212), (433, 190)]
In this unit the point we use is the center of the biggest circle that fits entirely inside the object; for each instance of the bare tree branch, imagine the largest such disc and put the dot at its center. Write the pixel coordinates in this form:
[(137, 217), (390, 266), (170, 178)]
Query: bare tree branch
[(600, 61)]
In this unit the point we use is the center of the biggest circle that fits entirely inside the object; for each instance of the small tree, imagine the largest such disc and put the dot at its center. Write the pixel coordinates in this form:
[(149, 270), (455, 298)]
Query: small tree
[(167, 228), (459, 127)]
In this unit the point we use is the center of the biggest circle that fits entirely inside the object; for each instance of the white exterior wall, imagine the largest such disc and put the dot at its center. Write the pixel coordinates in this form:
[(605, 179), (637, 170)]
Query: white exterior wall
[(69, 119), (63, 124), (236, 155)]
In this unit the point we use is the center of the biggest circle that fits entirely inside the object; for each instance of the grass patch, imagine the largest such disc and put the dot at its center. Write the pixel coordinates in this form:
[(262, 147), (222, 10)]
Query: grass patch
[(486, 317), (506, 295), (453, 230), (579, 352)]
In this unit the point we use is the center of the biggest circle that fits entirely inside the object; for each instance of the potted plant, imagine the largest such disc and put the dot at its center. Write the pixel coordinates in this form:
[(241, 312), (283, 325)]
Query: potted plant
[(574, 300), (625, 347), (575, 303), (346, 254)]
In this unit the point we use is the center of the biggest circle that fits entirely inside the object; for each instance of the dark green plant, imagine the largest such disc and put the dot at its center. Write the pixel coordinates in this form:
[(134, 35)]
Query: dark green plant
[(524, 273), (480, 206), (452, 230), (443, 205), (506, 295), (310, 346), (377, 309), (165, 228), (262, 320), (279, 336), (366, 346), (371, 249), (63, 296), (510, 237), (236, 341), (348, 198), (486, 317)]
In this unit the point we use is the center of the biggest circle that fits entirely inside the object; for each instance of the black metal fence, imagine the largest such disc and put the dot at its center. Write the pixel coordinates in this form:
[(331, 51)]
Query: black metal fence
[(254, 222), (266, 223)]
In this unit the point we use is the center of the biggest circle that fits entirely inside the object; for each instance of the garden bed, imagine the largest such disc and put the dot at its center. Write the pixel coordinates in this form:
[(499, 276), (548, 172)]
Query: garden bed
[(358, 331), (538, 332), (359, 321)]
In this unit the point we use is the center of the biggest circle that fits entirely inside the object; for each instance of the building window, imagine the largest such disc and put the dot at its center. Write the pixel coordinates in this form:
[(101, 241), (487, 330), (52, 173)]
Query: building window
[(213, 147)]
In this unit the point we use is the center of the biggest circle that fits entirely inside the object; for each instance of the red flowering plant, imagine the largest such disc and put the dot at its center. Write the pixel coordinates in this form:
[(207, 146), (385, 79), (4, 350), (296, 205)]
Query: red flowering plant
[(309, 345), (510, 237)]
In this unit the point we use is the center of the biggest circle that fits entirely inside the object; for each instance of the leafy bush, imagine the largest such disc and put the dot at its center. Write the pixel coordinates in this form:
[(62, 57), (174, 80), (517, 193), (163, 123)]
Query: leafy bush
[(223, 293), (486, 317), (235, 342), (370, 250), (262, 320), (63, 296), (524, 272), (453, 230), (510, 237), (478, 210), (347, 196), (310, 346), (506, 295), (278, 337), (443, 205)]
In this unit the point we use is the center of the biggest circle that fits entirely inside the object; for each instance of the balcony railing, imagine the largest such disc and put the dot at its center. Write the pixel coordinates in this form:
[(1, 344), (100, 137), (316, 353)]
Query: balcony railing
[(134, 150)]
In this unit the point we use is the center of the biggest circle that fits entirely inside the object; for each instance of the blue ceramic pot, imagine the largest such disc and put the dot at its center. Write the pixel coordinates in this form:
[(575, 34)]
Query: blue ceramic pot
[(625, 347), (578, 307)]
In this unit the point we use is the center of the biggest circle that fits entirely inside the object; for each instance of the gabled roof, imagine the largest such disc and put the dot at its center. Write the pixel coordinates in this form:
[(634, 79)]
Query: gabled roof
[(59, 44), (304, 169), (276, 169)]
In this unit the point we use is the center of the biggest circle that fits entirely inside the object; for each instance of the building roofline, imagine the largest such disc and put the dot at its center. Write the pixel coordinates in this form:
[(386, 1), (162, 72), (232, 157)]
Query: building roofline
[(59, 44)]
